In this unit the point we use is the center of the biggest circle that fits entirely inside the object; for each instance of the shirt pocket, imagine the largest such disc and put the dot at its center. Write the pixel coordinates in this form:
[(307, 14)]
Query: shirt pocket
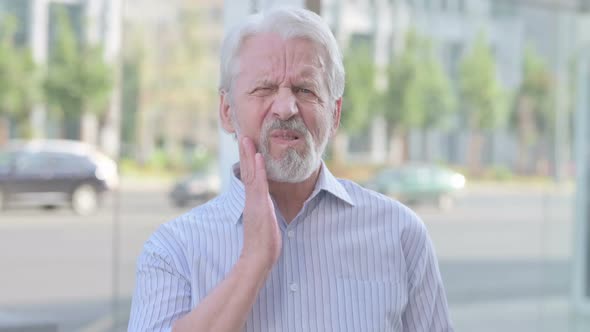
[(367, 305)]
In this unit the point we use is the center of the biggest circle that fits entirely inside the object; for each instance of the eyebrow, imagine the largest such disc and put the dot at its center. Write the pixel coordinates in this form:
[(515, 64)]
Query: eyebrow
[(306, 77), (309, 81), (263, 82)]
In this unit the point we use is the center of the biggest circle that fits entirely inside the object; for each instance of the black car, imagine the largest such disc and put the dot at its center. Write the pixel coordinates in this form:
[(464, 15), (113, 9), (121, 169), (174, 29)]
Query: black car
[(197, 187), (55, 172)]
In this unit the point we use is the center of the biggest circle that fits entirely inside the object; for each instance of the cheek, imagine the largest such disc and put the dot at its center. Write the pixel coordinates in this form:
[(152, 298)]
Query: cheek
[(318, 122), (251, 116)]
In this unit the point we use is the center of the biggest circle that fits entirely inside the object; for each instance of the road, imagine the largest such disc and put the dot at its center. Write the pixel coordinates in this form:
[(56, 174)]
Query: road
[(501, 251)]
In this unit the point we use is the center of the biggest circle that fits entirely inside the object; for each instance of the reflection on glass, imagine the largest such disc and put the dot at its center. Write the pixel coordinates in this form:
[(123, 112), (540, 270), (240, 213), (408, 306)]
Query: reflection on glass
[(463, 109)]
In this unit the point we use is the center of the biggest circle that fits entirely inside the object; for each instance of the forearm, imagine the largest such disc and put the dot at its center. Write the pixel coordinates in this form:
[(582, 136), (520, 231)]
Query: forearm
[(227, 307)]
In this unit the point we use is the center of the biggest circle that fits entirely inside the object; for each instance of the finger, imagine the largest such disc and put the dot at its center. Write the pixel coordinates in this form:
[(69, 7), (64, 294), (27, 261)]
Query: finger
[(260, 180), (247, 162)]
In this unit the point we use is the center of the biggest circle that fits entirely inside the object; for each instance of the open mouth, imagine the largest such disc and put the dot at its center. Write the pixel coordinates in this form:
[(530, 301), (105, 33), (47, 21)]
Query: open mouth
[(285, 135)]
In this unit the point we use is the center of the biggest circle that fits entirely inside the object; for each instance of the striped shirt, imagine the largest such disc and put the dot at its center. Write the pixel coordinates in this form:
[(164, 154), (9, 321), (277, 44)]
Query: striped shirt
[(352, 260)]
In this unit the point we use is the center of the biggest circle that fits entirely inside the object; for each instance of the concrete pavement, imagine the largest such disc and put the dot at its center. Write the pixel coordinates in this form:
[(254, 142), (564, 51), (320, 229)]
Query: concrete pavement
[(505, 259)]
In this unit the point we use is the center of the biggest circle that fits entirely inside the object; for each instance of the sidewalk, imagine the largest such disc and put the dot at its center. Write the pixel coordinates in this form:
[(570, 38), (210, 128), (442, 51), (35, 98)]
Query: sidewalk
[(519, 187), (12, 322), (549, 314)]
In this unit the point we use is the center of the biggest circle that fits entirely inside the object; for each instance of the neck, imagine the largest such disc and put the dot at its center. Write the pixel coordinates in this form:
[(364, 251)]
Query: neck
[(290, 197)]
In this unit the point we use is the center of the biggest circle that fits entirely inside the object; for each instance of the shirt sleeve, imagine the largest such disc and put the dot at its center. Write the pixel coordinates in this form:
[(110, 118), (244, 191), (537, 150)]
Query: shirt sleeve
[(162, 293), (427, 309)]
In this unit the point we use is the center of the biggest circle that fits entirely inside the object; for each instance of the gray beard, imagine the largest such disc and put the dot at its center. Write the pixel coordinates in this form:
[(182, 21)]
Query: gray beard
[(292, 167)]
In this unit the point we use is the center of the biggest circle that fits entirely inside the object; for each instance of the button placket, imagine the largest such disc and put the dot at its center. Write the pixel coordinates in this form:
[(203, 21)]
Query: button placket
[(290, 247), (289, 282)]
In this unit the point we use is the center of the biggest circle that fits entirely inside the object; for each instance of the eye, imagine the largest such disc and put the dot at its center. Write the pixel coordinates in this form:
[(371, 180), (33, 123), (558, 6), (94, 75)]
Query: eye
[(304, 91), (262, 91)]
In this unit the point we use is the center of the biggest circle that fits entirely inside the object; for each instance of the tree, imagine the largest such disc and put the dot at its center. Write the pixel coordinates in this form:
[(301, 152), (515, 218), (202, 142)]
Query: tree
[(418, 94), (482, 98), (18, 80), (436, 100), (78, 82), (359, 97), (531, 115), (179, 82)]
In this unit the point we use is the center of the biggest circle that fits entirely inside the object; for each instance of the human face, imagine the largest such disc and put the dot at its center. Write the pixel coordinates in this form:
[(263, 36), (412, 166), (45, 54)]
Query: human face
[(279, 98)]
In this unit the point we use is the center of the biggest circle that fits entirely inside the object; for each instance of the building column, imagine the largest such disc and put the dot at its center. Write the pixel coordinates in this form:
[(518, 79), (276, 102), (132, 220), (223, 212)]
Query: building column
[(39, 17), (110, 135), (581, 256)]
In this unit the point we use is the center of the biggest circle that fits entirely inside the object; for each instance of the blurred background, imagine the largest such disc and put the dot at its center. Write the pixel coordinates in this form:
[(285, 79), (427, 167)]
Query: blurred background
[(473, 112)]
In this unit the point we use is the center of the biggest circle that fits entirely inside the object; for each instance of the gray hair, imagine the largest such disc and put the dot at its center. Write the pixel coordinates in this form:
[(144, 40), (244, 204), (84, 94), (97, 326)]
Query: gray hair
[(288, 23)]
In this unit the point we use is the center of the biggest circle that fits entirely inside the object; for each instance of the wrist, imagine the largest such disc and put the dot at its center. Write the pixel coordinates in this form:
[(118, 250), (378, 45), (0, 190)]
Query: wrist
[(255, 264)]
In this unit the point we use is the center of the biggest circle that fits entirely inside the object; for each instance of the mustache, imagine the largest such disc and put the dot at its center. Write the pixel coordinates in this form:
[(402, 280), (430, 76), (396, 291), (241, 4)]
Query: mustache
[(294, 124)]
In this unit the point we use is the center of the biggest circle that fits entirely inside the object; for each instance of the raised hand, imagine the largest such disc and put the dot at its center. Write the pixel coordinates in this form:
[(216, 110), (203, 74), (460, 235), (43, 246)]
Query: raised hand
[(262, 238)]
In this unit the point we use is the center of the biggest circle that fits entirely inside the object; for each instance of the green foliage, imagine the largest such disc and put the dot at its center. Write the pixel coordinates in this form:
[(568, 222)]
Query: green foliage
[(129, 168), (178, 79), (168, 76), (78, 78), (533, 105), (360, 92), (437, 98), (500, 173), (129, 99), (160, 160), (200, 160), (481, 94), (419, 93), (19, 75), (572, 93)]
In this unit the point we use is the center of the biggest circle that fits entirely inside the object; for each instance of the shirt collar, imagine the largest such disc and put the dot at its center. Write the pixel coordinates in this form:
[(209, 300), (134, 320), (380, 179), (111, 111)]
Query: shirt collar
[(329, 183), (236, 195)]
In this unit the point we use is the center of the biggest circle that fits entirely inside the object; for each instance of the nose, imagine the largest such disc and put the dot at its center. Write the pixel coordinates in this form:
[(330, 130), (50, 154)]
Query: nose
[(285, 104)]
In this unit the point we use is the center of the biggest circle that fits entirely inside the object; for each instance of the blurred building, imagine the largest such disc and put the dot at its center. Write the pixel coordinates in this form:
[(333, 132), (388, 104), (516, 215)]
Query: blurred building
[(178, 42), (548, 26), (94, 22)]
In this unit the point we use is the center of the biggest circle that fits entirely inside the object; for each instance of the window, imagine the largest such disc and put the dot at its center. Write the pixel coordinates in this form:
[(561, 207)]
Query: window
[(34, 163), (19, 9), (461, 6), (66, 163), (503, 8), (359, 40), (5, 161), (74, 14), (454, 52)]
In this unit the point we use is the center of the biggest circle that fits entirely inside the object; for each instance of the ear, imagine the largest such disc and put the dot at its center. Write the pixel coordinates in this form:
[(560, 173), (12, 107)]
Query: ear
[(225, 113), (336, 117)]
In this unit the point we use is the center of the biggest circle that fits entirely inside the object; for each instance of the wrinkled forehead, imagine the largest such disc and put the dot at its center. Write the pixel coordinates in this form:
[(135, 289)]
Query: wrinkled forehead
[(269, 53)]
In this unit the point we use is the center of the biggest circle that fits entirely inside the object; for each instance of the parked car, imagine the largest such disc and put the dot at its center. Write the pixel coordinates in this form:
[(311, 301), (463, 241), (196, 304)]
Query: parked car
[(196, 187), (51, 173), (419, 183)]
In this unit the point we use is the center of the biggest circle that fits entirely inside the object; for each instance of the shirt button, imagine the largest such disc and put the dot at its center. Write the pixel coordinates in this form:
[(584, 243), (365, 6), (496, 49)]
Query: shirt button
[(291, 234), (293, 287)]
